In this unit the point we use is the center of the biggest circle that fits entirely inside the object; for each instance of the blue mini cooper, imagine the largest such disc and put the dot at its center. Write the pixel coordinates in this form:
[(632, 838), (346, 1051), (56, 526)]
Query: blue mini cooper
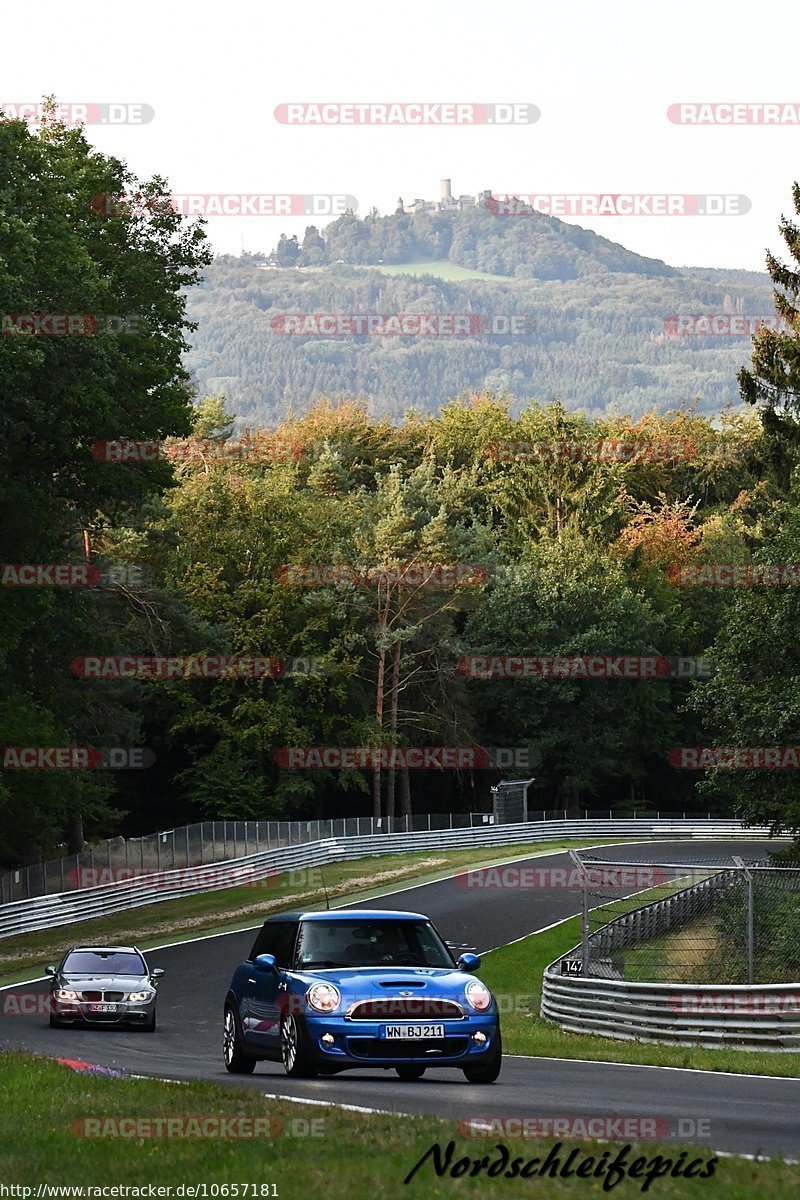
[(325, 992)]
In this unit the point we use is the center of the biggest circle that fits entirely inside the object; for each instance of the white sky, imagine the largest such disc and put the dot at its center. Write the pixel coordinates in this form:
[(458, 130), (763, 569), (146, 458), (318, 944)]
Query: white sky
[(602, 76)]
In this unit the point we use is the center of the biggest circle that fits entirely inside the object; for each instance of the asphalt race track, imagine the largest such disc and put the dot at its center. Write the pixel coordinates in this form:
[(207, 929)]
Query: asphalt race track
[(747, 1115)]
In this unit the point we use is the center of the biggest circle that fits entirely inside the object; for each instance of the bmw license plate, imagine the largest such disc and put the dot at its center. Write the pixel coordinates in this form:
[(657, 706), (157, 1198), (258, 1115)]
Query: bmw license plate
[(101, 1008), (413, 1033)]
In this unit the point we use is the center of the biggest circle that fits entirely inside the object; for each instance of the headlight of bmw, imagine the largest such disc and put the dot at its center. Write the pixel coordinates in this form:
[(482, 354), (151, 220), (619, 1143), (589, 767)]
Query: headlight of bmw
[(323, 997), (478, 995), (65, 994), (140, 995)]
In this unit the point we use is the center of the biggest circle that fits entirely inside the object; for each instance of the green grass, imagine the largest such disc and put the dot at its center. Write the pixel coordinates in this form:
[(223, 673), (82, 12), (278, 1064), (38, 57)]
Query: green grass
[(514, 973), (440, 268), (245, 907), (347, 1155)]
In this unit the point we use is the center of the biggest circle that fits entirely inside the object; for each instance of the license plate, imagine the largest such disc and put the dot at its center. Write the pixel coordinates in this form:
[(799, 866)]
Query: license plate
[(102, 1008), (413, 1033)]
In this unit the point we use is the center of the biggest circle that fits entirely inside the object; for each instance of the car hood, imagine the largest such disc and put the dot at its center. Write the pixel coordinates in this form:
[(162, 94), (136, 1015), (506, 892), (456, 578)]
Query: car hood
[(101, 983), (390, 981)]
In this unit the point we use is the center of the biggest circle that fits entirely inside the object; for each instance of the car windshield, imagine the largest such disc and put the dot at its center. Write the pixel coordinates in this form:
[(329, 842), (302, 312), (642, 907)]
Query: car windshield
[(103, 962), (363, 943)]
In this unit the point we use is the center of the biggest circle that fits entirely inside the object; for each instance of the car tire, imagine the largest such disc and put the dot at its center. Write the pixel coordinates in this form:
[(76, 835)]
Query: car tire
[(487, 1071), (295, 1050), (237, 1061), (150, 1027), (55, 1023), (410, 1073)]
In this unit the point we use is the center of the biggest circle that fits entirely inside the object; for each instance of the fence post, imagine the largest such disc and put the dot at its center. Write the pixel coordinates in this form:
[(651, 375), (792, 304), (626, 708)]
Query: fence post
[(584, 913), (750, 946)]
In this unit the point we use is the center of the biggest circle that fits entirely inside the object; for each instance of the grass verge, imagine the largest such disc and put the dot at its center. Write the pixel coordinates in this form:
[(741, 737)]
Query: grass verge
[(514, 973), (230, 909), (312, 1151)]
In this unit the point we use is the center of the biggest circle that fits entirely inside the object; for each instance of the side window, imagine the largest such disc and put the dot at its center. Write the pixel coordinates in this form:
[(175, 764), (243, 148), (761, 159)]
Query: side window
[(278, 938)]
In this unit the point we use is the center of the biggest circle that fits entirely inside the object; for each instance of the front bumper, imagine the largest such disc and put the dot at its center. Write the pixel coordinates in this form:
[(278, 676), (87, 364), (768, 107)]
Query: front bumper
[(361, 1043), (127, 1012)]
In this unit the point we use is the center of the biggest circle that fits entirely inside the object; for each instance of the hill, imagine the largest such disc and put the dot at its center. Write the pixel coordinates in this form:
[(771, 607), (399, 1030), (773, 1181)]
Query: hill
[(592, 319)]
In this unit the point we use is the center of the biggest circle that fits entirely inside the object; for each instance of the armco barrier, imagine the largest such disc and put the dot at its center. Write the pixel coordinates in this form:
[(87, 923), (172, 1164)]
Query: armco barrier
[(738, 1016), (65, 908)]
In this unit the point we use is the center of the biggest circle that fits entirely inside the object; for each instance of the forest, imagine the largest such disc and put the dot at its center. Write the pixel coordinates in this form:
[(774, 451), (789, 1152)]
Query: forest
[(342, 568)]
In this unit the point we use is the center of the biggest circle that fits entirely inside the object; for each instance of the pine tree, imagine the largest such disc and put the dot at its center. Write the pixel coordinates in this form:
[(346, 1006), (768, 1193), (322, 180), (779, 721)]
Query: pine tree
[(774, 378)]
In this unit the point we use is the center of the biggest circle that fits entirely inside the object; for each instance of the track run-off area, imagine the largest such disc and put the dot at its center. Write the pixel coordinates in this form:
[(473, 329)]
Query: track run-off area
[(745, 1114)]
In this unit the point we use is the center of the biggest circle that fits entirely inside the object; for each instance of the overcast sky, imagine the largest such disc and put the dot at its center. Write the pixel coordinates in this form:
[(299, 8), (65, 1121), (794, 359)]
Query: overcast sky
[(603, 77)]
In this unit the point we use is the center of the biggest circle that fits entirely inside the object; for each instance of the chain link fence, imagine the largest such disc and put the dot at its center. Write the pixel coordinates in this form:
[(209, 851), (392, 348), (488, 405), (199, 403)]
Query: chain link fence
[(203, 843), (218, 841), (720, 921)]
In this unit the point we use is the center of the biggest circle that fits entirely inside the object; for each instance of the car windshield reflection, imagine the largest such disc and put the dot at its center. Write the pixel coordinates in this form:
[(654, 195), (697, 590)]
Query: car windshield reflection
[(95, 962), (355, 943)]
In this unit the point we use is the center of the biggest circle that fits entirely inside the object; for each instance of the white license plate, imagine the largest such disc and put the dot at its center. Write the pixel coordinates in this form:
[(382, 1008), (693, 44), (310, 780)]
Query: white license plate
[(413, 1032), (102, 1008)]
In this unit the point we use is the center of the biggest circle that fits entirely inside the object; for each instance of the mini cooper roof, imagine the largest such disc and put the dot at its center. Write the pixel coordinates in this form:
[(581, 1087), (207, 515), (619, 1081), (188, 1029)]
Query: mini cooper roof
[(347, 914)]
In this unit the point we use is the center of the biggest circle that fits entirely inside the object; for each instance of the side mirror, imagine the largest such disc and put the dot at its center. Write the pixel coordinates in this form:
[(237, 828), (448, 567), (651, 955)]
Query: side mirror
[(50, 970), (265, 962), (469, 962), (156, 972)]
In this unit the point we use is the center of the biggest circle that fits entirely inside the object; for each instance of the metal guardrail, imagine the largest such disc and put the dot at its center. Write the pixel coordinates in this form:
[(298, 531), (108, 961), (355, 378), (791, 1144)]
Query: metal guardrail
[(65, 908), (219, 841), (738, 1016)]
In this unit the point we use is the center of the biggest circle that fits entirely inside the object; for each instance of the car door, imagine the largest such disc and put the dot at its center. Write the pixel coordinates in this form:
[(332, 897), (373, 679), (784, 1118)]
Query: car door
[(263, 989)]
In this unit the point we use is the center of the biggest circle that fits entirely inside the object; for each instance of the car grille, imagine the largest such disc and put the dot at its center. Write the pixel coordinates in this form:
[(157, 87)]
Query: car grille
[(110, 997), (401, 1006), (379, 1048)]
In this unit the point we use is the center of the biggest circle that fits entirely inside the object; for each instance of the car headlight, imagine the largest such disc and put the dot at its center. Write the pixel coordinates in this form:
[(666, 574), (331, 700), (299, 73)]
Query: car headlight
[(140, 995), (478, 995), (324, 997), (65, 994)]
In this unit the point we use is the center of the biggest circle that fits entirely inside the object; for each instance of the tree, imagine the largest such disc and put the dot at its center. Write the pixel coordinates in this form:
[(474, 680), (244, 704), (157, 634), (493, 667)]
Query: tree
[(754, 699), (566, 598), (773, 379), (70, 248)]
